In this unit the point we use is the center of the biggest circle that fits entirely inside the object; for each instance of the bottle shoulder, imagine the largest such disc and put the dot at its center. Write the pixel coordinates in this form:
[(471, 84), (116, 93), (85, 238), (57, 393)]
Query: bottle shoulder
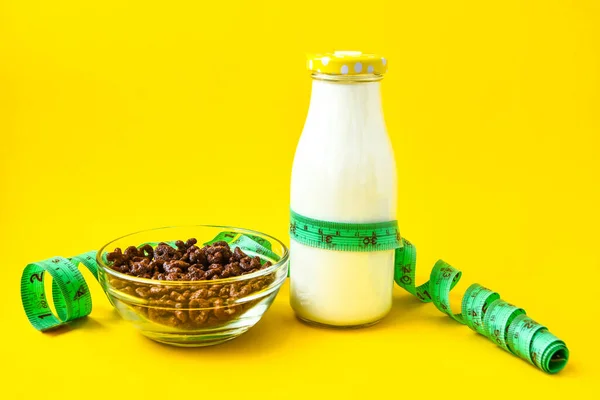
[(347, 148)]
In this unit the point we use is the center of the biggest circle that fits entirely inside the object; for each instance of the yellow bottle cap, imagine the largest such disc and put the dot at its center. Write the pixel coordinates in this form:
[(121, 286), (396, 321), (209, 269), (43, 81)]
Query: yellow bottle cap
[(347, 63)]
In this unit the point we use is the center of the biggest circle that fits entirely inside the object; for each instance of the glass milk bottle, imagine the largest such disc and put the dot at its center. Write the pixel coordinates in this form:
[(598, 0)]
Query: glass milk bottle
[(344, 171)]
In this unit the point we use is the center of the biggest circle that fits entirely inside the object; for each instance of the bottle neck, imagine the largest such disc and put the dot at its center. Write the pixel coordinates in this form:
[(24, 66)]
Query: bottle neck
[(347, 103)]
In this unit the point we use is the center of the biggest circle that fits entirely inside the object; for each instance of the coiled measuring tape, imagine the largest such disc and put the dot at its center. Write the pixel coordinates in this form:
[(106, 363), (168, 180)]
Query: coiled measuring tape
[(482, 309), (70, 292)]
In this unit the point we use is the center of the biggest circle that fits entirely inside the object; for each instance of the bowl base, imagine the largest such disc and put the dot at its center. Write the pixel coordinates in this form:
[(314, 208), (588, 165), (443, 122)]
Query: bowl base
[(195, 339)]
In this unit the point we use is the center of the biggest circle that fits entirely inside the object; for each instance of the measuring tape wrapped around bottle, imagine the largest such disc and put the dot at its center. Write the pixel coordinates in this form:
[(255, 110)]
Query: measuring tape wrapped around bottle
[(70, 292), (482, 309)]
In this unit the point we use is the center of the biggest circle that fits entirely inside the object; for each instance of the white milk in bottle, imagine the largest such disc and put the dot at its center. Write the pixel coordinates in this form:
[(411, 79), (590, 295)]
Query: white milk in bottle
[(344, 171)]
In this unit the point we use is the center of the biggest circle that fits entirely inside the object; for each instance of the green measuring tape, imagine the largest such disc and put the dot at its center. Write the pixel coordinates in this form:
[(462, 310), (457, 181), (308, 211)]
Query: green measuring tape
[(482, 309), (341, 236), (70, 292)]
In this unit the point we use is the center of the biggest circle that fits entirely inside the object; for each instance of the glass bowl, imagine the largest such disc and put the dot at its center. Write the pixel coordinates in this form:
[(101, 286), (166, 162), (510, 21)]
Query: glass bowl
[(201, 312)]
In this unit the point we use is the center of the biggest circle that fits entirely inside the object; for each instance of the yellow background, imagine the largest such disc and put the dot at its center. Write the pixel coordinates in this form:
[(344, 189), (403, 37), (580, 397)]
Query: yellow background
[(118, 115)]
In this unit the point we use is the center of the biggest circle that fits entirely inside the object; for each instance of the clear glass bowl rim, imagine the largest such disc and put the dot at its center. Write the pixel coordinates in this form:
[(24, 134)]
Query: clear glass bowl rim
[(276, 266)]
